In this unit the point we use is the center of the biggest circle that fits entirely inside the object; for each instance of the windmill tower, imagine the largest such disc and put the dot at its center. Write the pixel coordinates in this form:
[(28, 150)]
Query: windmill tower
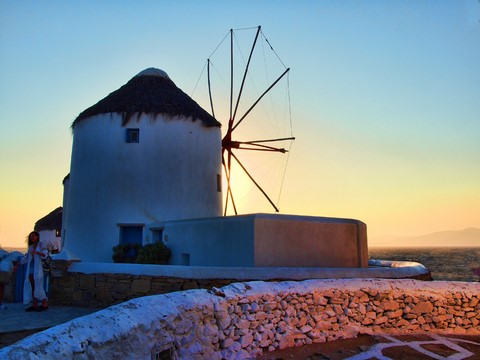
[(146, 153), (146, 166)]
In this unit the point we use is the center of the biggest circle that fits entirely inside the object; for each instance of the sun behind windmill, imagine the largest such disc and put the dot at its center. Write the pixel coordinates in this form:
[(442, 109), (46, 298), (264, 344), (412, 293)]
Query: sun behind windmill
[(259, 104)]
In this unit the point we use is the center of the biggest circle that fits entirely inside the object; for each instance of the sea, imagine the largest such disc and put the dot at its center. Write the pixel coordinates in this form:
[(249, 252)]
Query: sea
[(444, 263)]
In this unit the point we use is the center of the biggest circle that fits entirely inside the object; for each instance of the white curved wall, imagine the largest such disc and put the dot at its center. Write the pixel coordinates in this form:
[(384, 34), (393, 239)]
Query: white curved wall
[(170, 174), (66, 182), (242, 320)]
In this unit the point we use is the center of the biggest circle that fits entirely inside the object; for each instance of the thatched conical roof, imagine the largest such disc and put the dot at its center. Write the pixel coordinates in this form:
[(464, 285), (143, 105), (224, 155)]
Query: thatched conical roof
[(52, 221), (149, 92)]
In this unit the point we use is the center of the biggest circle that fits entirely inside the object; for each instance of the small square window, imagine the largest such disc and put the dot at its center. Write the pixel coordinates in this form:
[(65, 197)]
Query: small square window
[(133, 135)]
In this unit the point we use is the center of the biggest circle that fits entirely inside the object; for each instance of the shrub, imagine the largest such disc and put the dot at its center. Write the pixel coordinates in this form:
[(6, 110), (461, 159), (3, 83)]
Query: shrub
[(156, 253), (125, 253)]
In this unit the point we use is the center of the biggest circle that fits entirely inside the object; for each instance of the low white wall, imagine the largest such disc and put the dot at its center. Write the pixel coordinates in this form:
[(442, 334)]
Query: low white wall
[(267, 240), (379, 269), (244, 319), (221, 241), (310, 241)]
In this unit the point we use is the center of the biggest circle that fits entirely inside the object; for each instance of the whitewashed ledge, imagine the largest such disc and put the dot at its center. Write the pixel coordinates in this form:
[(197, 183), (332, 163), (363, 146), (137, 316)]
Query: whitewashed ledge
[(242, 320), (377, 269)]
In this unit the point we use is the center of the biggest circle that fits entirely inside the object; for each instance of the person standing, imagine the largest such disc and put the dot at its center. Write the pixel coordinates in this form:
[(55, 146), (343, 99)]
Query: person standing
[(33, 291)]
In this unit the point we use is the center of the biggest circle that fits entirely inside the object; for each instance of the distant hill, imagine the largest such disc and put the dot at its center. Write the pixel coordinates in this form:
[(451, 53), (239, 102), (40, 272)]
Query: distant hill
[(23, 250), (469, 237)]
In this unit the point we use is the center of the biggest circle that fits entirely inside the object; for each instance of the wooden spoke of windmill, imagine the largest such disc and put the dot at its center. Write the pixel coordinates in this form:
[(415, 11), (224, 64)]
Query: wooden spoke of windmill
[(228, 144)]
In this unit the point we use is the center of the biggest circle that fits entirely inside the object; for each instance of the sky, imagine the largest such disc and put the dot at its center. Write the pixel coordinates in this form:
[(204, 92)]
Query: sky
[(385, 99)]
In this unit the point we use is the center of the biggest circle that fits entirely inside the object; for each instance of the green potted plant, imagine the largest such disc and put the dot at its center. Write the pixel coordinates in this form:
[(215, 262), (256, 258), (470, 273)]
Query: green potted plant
[(156, 253), (125, 253)]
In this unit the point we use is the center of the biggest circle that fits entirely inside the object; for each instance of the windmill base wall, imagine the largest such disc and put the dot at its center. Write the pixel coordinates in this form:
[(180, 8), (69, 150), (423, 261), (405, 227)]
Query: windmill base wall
[(267, 240)]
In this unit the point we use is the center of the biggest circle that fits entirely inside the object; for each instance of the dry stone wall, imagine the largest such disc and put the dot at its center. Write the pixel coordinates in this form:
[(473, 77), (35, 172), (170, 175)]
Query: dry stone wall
[(102, 284), (242, 320)]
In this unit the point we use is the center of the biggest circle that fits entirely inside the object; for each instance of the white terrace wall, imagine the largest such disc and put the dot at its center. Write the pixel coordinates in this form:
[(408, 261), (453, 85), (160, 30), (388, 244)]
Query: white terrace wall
[(270, 240), (105, 284), (242, 320)]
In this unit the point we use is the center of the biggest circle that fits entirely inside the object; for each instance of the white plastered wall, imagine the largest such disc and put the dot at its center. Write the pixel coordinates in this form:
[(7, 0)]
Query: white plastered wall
[(170, 174)]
